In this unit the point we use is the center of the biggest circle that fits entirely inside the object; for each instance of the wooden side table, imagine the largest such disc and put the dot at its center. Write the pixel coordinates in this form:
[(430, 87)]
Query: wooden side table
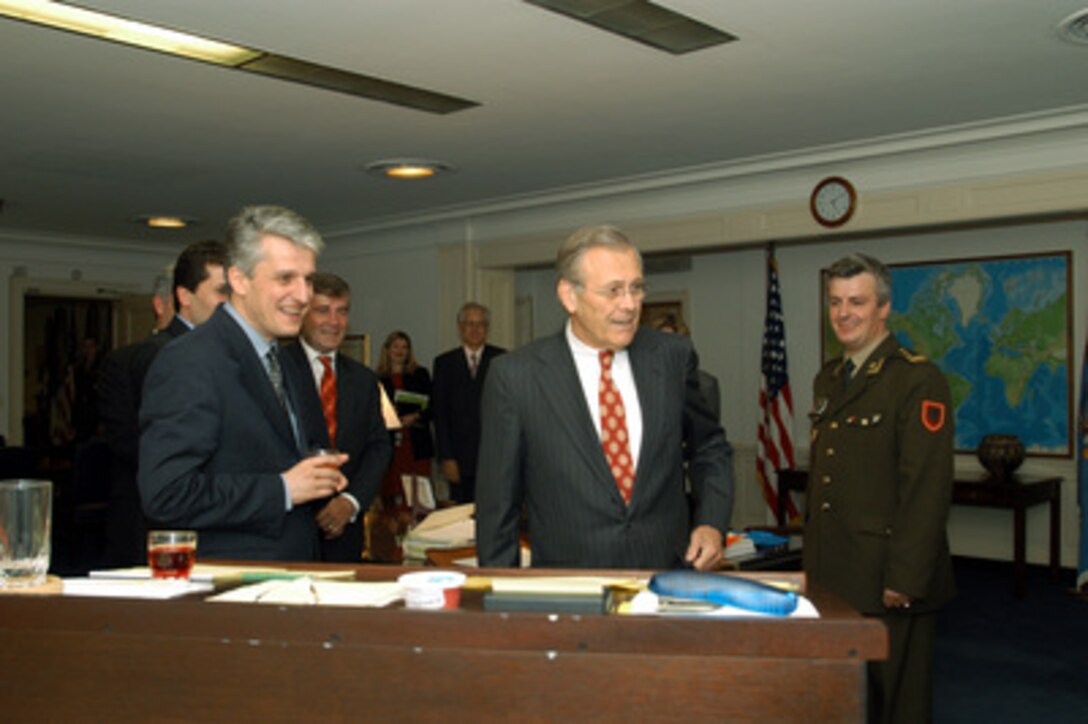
[(1018, 494)]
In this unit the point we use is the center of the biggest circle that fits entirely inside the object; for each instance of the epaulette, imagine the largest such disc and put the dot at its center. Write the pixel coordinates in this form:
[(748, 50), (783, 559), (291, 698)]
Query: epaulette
[(874, 367), (911, 356)]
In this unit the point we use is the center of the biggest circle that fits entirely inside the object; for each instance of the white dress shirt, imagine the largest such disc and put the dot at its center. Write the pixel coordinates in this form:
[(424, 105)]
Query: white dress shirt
[(587, 361)]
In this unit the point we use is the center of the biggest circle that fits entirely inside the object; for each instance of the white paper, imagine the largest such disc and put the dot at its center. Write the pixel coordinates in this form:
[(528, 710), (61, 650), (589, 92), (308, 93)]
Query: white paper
[(417, 483), (558, 584), (204, 572), (308, 592), (132, 588), (210, 572)]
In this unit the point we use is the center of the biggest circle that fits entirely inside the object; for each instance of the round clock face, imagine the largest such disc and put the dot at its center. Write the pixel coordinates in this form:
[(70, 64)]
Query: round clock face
[(833, 201)]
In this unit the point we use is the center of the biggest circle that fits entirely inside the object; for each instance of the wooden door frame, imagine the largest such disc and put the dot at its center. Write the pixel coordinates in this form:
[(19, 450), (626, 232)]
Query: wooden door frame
[(20, 288)]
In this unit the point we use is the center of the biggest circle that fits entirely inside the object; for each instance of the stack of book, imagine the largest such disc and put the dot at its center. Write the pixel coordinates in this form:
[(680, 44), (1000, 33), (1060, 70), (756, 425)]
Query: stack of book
[(443, 529)]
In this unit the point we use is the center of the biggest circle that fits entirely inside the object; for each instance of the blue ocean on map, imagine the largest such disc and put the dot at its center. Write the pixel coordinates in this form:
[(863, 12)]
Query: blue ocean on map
[(1008, 316)]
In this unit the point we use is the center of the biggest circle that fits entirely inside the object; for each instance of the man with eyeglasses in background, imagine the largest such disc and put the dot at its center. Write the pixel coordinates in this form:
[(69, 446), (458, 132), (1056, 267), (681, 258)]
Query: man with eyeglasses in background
[(588, 430)]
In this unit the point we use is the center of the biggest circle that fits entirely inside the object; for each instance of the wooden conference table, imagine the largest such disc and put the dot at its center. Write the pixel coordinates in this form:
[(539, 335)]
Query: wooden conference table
[(187, 659)]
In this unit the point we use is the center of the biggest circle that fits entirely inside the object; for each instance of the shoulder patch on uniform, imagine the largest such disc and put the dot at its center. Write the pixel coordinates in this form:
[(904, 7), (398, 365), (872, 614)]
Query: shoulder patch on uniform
[(933, 415), (911, 356)]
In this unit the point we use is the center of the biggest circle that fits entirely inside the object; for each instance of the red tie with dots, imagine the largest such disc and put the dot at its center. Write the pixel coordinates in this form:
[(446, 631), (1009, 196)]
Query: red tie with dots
[(617, 445), (328, 398)]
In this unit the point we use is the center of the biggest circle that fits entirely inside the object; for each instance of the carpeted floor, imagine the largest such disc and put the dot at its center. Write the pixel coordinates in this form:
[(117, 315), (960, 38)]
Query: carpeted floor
[(1002, 659)]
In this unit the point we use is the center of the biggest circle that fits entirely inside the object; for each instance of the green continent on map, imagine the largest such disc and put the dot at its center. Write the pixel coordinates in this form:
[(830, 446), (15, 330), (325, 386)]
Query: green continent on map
[(929, 323), (1024, 342)]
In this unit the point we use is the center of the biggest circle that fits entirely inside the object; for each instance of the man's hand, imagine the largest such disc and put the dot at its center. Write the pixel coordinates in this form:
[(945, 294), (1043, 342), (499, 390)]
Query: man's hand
[(316, 477), (335, 516), (895, 599), (451, 472), (705, 550)]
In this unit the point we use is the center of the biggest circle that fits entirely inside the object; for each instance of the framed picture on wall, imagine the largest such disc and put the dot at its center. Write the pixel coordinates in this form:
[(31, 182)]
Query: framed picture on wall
[(665, 304), (1001, 330), (357, 346)]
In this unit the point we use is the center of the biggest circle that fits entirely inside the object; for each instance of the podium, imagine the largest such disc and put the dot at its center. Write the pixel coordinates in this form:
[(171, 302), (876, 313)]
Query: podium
[(194, 660)]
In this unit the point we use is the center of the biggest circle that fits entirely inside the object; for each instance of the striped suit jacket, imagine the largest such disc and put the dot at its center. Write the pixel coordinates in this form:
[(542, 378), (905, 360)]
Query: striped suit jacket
[(540, 450)]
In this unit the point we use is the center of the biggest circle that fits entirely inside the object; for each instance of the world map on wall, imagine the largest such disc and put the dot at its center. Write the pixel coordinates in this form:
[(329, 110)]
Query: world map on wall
[(999, 329)]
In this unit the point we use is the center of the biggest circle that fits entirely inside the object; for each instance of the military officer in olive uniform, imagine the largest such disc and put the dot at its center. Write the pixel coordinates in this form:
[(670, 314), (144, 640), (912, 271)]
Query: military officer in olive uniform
[(880, 486)]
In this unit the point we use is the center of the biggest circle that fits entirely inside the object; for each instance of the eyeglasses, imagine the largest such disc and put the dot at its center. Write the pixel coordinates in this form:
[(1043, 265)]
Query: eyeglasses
[(637, 290)]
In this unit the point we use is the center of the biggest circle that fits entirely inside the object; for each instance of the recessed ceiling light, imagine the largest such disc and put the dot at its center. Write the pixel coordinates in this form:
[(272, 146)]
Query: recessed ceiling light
[(405, 169), (165, 222), (1074, 28)]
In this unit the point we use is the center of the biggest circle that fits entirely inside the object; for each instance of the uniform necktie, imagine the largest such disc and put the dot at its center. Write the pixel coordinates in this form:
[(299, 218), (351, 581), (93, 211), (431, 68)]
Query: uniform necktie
[(614, 438), (275, 375), (328, 398), (848, 372), (473, 364)]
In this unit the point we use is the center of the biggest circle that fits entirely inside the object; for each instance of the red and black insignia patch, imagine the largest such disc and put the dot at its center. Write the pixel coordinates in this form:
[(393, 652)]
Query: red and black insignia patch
[(933, 415)]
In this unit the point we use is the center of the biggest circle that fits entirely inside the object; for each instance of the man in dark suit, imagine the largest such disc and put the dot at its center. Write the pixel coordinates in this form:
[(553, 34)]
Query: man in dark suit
[(220, 443), (880, 486), (198, 285), (459, 376), (588, 430), (340, 408)]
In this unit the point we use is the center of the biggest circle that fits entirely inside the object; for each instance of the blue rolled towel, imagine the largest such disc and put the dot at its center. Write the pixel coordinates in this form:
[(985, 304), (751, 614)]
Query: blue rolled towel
[(724, 590)]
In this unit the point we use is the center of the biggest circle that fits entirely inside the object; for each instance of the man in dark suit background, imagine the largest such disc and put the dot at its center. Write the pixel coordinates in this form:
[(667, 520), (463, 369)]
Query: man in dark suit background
[(588, 430), (459, 376), (197, 286), (340, 407), (220, 443)]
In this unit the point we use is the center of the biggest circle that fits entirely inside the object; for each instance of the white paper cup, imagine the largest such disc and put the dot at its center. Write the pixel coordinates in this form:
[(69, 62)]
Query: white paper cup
[(25, 520), (432, 589)]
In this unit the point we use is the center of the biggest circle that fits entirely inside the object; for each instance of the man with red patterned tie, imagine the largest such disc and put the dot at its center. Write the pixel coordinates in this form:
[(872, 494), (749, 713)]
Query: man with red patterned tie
[(340, 408), (588, 430)]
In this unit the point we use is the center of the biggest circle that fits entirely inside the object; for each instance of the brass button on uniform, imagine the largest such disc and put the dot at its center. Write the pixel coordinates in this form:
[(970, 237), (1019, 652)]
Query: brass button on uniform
[(825, 507), (834, 425), (831, 452), (826, 479)]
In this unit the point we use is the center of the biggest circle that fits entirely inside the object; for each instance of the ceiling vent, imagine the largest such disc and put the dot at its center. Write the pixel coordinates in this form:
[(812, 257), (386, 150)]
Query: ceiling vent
[(1074, 28), (642, 21)]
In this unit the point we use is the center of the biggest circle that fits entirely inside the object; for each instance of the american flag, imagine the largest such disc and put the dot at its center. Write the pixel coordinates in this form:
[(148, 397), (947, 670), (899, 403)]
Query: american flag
[(775, 450), (1082, 477)]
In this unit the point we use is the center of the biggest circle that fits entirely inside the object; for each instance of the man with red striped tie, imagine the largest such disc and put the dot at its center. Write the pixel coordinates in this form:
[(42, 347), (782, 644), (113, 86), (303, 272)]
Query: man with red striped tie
[(340, 409)]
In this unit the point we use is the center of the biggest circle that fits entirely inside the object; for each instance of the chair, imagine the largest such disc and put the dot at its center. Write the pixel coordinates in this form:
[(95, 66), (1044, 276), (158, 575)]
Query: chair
[(18, 462)]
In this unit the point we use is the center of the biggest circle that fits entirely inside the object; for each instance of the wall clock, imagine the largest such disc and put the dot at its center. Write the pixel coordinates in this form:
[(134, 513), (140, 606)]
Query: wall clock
[(833, 201)]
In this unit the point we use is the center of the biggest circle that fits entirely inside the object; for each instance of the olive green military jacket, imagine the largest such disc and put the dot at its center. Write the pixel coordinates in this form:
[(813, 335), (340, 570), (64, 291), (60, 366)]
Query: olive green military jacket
[(880, 481)]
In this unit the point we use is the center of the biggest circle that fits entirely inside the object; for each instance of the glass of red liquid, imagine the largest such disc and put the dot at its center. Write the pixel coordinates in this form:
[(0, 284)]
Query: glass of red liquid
[(171, 553)]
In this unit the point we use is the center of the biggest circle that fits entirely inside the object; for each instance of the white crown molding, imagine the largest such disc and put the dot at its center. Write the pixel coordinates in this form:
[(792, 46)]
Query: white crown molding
[(1025, 126)]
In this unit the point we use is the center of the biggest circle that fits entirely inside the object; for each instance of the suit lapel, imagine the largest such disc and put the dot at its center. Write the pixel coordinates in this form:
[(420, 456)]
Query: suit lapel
[(649, 384), (347, 397), (305, 396), (558, 377), (254, 377)]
